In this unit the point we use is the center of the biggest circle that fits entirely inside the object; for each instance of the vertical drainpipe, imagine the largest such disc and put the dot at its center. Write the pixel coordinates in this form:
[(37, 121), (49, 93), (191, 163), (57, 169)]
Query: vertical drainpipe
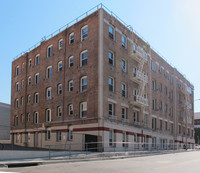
[(100, 73)]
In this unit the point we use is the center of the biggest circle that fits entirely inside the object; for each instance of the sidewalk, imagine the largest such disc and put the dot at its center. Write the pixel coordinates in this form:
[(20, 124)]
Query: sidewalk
[(85, 157)]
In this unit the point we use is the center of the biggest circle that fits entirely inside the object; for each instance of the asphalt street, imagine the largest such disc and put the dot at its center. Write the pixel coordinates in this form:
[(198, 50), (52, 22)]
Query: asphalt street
[(185, 162)]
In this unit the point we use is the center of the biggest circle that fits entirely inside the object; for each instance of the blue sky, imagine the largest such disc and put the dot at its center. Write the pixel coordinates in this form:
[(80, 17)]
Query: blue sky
[(172, 27)]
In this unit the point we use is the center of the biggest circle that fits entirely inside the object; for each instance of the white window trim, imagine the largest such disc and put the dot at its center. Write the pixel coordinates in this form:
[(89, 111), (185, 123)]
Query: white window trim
[(84, 77), (113, 31), (37, 74), (58, 89), (59, 111), (48, 50), (125, 89), (124, 70), (49, 97), (71, 57), (86, 26), (71, 81), (70, 106), (29, 80), (17, 70), (60, 69), (113, 57), (81, 56), (112, 85), (36, 60), (70, 37), (125, 46), (34, 118), (81, 110), (50, 74), (46, 115), (36, 94), (59, 44)]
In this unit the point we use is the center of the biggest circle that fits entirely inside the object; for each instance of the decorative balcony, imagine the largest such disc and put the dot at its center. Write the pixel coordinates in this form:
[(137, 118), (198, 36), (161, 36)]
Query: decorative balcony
[(140, 101), (136, 123), (139, 76), (124, 120)]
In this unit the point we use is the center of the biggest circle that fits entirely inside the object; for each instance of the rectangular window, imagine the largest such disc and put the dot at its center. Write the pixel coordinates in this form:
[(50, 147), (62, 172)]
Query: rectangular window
[(49, 93), (60, 66), (35, 118), (111, 58), (111, 109), (59, 89), (153, 66), (124, 140), (111, 32), (49, 72), (50, 51), (111, 84), (60, 44), (58, 135), (84, 84), (17, 70), (124, 116), (83, 109), (29, 63), (28, 99), (71, 61), (124, 66), (36, 98), (84, 33), (154, 104), (153, 85), (70, 109), (29, 80), (166, 126), (37, 76), (153, 123), (111, 137), (71, 85), (70, 135), (123, 90), (160, 123), (47, 134), (17, 86), (124, 41), (48, 115), (71, 38), (37, 60), (59, 111), (84, 57)]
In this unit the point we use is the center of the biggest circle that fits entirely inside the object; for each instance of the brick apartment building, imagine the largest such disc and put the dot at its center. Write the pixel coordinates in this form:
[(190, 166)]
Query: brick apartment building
[(98, 81)]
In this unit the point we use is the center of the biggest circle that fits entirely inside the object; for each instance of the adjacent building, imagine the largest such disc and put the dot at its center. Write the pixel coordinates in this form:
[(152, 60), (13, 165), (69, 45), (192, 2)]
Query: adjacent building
[(97, 81), (4, 122)]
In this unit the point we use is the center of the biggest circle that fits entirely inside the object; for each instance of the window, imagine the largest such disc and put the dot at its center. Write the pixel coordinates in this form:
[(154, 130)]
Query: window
[(71, 61), (83, 109), (29, 80), (49, 72), (70, 135), (134, 48), (28, 99), (70, 109), (48, 115), (60, 44), (22, 101), (153, 123), (134, 94), (16, 120), (37, 59), (153, 142), (36, 98), (111, 109), (160, 125), (170, 78), (111, 138), (160, 87), (154, 104), (59, 111), (124, 139), (71, 38), (22, 66), (58, 135), (179, 129), (59, 89), (28, 117), (22, 83), (124, 116), (84, 33), (60, 66), (17, 71), (21, 118), (17, 86), (124, 66), (50, 51), (166, 108), (135, 117), (35, 118), (84, 84), (165, 90), (166, 125), (160, 105), (123, 90), (16, 103), (37, 76), (111, 32), (171, 128), (49, 93), (153, 66), (111, 58), (111, 84), (171, 95), (160, 69), (84, 57), (153, 85), (134, 71), (29, 63), (71, 85), (48, 134), (123, 41)]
